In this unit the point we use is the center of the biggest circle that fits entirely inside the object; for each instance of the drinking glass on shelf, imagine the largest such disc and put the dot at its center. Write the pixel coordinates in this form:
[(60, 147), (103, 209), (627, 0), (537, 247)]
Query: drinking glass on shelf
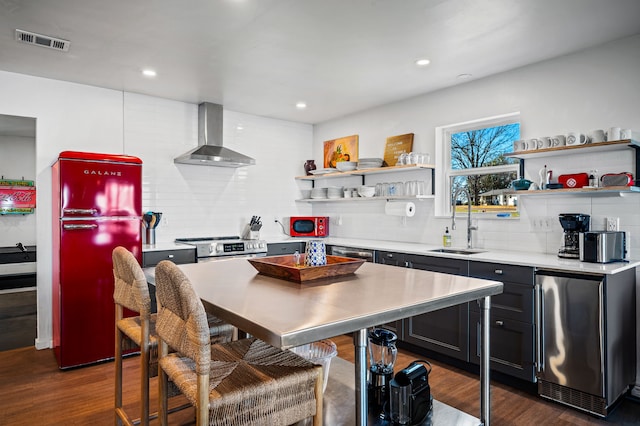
[(403, 159), (399, 188), (421, 187), (392, 189), (410, 187), (413, 158), (385, 189)]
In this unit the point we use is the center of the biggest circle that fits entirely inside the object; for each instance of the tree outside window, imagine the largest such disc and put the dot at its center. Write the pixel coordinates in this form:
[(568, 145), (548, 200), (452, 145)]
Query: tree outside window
[(471, 155), (485, 148)]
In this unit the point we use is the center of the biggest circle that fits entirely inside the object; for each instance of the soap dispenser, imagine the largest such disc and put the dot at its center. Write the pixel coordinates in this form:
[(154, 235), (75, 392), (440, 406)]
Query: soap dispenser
[(446, 238)]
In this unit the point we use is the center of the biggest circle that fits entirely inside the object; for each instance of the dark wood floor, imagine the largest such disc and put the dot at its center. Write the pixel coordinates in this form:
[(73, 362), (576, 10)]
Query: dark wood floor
[(35, 392)]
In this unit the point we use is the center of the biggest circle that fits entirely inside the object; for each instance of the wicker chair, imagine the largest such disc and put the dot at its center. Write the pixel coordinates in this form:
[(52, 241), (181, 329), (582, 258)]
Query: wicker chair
[(132, 292), (245, 382)]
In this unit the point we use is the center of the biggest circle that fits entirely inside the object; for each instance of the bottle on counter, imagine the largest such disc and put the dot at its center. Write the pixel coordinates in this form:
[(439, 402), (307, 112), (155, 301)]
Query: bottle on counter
[(446, 238)]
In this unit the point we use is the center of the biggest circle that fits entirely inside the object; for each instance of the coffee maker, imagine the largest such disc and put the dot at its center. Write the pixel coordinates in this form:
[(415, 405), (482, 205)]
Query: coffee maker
[(382, 358), (573, 224), (410, 395)]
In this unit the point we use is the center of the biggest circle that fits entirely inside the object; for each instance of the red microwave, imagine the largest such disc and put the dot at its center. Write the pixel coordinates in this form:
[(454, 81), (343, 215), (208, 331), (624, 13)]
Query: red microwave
[(309, 226)]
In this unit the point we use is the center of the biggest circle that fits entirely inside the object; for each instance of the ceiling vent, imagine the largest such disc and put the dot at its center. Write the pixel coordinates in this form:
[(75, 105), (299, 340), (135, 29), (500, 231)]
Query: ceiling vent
[(42, 40)]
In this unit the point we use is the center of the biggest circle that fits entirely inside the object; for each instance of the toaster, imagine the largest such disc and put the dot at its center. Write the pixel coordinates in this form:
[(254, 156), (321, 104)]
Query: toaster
[(602, 246)]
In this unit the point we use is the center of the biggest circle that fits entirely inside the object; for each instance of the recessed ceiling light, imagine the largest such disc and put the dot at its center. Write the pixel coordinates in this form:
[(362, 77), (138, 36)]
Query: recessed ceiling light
[(464, 76), (149, 73), (239, 127), (301, 105), (422, 62)]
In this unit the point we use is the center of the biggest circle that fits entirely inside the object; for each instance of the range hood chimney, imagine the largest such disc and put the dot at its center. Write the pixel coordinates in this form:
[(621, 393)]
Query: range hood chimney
[(210, 151)]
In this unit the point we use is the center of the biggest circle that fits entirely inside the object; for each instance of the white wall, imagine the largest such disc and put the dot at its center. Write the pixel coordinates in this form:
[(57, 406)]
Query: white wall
[(17, 161), (199, 201), (597, 88), (196, 200), (594, 89)]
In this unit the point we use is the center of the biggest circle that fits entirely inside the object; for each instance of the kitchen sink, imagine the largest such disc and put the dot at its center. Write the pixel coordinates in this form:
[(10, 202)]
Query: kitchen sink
[(457, 251)]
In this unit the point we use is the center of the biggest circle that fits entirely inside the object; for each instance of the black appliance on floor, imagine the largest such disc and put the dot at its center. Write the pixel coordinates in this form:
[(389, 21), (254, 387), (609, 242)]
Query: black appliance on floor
[(382, 357)]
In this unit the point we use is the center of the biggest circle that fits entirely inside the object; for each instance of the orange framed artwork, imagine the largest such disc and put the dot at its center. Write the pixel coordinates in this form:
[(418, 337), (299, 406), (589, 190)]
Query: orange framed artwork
[(341, 149)]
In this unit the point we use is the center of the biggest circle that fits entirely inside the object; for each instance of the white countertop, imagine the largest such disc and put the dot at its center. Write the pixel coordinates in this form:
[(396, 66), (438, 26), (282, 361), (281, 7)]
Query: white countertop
[(17, 268), (165, 246), (536, 260)]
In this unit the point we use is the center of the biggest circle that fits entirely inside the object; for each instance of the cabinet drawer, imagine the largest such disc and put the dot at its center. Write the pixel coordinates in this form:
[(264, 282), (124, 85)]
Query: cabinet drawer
[(515, 302), (391, 258), (280, 249), (439, 264), (152, 258), (498, 272), (511, 347)]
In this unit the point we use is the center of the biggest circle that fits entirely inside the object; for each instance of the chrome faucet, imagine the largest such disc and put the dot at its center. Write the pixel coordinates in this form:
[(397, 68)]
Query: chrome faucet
[(453, 214)]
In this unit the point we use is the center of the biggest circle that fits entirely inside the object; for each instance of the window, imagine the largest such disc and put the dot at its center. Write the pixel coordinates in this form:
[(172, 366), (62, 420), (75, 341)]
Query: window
[(470, 159)]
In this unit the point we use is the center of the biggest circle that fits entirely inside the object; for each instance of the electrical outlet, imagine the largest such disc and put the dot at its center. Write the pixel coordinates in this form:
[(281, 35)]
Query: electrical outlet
[(613, 223)]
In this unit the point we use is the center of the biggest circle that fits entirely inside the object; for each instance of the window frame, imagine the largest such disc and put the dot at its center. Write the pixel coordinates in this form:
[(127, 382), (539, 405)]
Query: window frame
[(444, 172)]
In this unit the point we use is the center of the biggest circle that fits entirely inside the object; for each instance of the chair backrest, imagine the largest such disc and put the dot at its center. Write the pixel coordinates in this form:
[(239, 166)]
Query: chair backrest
[(182, 320), (131, 289)]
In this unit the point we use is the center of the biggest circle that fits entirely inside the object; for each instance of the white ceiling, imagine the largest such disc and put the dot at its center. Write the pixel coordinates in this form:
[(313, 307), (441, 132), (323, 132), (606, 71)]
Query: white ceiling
[(262, 56)]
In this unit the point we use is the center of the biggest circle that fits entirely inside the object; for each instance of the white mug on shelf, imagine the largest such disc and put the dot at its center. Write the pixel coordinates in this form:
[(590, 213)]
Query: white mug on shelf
[(532, 144), (520, 145), (597, 135), (576, 138), (626, 134), (545, 142), (614, 134), (558, 140)]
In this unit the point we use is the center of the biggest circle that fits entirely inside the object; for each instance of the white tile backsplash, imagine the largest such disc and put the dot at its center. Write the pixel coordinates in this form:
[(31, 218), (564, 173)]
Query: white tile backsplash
[(213, 201)]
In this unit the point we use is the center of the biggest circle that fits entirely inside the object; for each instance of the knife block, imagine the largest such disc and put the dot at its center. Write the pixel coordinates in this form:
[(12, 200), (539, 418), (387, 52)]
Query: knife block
[(248, 234)]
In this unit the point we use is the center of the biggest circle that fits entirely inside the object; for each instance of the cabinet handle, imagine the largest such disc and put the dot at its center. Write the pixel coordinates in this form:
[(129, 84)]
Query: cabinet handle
[(389, 255), (406, 264), (170, 256), (499, 323), (498, 271)]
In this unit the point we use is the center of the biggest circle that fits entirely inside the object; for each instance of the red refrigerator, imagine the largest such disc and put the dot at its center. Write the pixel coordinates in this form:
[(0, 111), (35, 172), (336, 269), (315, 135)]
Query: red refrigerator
[(97, 206)]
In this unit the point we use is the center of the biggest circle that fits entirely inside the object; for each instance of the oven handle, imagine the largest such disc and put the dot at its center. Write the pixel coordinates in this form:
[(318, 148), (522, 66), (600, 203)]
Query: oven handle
[(244, 256)]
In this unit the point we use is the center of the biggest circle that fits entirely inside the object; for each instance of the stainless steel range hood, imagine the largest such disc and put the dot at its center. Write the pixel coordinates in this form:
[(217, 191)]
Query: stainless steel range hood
[(210, 151)]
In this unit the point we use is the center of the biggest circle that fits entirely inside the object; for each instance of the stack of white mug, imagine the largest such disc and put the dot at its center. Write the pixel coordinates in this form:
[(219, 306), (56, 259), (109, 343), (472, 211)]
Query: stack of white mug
[(572, 138)]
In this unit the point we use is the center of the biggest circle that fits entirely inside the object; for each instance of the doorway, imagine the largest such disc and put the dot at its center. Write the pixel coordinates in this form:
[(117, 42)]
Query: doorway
[(18, 292)]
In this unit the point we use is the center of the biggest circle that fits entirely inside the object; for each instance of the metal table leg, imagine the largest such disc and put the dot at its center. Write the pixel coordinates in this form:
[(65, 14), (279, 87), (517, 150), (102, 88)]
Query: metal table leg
[(485, 390), (360, 343)]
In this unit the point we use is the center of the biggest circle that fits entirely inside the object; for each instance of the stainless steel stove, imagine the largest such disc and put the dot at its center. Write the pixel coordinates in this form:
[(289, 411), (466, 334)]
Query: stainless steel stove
[(211, 248)]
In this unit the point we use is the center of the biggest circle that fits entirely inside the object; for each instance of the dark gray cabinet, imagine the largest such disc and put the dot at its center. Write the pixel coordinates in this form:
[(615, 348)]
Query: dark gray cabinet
[(179, 256), (392, 258), (290, 247), (445, 331), (512, 324)]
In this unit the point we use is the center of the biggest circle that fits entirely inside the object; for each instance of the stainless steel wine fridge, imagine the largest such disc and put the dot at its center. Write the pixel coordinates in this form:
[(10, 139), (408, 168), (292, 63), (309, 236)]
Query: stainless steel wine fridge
[(586, 338)]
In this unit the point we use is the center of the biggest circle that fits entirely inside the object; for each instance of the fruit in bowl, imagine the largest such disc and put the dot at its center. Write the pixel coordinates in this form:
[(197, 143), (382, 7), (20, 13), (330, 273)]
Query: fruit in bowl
[(346, 166), (366, 191)]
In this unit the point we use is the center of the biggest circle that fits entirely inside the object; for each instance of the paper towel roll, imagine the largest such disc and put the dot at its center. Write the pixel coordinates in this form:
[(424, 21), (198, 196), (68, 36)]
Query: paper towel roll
[(400, 208)]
